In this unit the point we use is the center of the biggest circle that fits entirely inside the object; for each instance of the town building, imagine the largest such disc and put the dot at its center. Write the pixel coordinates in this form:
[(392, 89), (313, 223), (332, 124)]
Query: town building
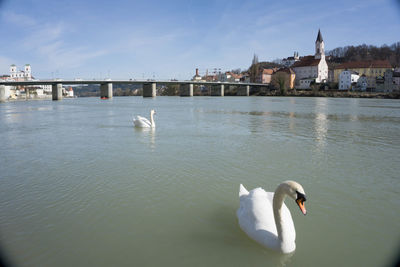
[(362, 83), (289, 61), (396, 79), (312, 68), (21, 75), (231, 77), (266, 75), (372, 70), (348, 79), (36, 91), (386, 83), (196, 77)]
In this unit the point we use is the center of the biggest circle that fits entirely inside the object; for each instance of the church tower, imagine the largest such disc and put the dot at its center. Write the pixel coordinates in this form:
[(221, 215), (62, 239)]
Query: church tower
[(28, 73), (13, 71), (319, 46)]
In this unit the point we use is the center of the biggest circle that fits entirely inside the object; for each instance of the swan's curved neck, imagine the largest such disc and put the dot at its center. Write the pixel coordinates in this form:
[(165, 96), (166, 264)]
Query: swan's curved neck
[(279, 198), (152, 120)]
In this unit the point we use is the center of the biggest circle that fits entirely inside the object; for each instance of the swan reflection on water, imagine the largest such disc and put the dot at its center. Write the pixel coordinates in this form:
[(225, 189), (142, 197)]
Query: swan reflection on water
[(148, 134)]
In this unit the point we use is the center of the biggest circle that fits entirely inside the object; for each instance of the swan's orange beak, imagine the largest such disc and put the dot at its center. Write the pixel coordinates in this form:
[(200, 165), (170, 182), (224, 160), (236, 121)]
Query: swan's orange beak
[(300, 203)]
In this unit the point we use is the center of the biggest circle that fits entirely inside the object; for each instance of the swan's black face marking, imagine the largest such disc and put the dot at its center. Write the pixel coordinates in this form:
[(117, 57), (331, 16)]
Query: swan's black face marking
[(300, 202), (301, 196)]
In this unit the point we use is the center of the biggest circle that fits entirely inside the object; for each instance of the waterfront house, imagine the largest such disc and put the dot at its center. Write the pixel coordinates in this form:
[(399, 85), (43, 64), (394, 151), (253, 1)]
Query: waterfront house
[(396, 79), (312, 68), (347, 79), (362, 83), (372, 69), (386, 83)]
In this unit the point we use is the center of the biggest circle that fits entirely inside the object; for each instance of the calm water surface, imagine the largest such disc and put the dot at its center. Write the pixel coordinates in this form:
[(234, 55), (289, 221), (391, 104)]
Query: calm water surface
[(79, 186)]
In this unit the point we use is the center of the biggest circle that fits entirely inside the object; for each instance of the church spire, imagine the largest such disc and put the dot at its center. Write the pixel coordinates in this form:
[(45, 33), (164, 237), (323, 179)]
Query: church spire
[(319, 37), (319, 46)]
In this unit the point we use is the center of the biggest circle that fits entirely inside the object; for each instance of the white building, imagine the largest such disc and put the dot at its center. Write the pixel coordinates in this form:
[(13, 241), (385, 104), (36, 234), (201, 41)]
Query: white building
[(26, 75), (347, 78), (312, 67), (21, 75), (289, 61)]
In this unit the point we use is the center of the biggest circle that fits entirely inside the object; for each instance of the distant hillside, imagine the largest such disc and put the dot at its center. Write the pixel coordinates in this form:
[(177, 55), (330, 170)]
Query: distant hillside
[(366, 52)]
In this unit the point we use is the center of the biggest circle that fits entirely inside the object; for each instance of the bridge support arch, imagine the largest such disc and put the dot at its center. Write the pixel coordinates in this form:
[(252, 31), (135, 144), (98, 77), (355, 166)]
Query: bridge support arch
[(56, 91), (106, 90), (149, 90), (186, 89), (2, 93), (243, 90), (217, 90)]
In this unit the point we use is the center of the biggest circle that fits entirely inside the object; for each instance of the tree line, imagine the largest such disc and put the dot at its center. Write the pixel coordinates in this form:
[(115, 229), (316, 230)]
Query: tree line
[(366, 52)]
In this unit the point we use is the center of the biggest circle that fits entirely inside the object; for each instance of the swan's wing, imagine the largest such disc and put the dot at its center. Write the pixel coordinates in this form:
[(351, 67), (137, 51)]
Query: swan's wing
[(143, 119), (140, 121), (256, 212)]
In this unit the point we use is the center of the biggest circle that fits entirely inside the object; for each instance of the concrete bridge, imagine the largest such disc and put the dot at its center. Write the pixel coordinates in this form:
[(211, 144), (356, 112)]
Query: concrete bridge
[(149, 86)]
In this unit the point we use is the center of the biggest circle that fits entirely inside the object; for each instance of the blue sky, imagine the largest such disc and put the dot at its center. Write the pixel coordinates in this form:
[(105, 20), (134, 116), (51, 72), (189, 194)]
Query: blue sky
[(169, 39)]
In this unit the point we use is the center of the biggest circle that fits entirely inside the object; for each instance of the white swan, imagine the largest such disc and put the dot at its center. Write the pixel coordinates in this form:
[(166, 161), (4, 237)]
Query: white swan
[(142, 122), (266, 219)]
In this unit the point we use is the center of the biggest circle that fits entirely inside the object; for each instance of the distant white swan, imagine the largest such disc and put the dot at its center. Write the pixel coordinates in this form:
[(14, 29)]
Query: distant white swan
[(142, 122), (266, 219)]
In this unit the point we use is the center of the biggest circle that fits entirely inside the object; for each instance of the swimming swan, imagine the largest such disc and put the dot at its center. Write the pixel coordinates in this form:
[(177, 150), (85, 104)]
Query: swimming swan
[(142, 122), (264, 217)]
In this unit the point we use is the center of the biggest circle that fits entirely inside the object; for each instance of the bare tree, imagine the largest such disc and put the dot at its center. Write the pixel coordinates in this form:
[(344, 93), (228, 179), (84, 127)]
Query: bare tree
[(253, 70), (280, 81)]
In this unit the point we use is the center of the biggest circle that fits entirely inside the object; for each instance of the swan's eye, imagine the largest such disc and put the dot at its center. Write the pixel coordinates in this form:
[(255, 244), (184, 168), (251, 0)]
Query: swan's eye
[(301, 196)]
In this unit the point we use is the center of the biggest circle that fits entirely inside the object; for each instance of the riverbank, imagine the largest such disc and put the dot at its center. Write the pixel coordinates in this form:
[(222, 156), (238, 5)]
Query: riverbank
[(331, 93)]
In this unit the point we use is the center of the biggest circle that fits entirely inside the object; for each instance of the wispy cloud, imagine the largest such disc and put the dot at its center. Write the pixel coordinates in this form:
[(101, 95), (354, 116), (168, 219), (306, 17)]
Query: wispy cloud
[(19, 19), (49, 42)]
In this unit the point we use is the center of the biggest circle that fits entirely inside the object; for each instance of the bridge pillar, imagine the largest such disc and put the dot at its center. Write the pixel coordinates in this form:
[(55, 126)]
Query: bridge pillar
[(243, 90), (186, 89), (56, 91), (149, 90), (217, 90), (106, 90), (2, 93)]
